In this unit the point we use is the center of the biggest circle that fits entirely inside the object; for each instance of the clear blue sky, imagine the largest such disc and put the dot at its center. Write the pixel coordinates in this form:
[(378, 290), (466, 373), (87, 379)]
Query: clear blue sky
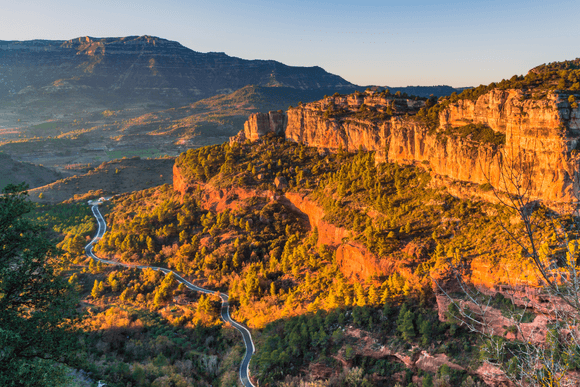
[(395, 43)]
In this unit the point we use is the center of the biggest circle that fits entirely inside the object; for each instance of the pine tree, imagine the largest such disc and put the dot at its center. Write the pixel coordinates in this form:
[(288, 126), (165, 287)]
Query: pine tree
[(372, 295), (126, 245), (425, 331), (331, 302), (96, 292), (405, 323), (73, 279), (35, 302), (360, 295), (125, 295), (386, 295), (150, 244)]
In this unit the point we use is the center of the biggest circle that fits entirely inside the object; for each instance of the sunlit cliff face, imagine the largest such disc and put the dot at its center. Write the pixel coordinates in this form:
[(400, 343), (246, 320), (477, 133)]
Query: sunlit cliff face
[(540, 139)]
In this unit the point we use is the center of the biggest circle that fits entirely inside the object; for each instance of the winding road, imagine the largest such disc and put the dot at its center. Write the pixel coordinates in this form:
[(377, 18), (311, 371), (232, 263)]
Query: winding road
[(225, 311)]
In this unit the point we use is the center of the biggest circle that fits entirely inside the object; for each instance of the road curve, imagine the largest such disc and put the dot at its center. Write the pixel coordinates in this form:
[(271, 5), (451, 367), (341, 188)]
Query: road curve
[(225, 311)]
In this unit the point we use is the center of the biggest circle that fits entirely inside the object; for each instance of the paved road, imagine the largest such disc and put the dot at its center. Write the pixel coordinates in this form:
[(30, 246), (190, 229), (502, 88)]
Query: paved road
[(225, 312)]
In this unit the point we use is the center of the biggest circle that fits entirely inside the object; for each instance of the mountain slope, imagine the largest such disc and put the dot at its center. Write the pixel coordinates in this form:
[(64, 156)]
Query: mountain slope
[(141, 69), (113, 177), (15, 172)]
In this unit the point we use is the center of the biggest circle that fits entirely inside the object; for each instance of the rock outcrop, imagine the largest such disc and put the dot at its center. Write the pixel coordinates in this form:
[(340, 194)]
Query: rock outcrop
[(542, 132), (354, 259), (311, 125), (546, 131), (180, 183), (260, 124), (541, 137)]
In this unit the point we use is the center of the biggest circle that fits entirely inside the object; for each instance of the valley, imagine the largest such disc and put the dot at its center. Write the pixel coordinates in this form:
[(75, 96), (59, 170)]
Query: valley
[(65, 104), (354, 238)]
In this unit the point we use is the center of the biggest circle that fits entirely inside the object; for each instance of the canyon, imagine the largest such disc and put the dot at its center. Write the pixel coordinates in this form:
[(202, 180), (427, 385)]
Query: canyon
[(477, 144)]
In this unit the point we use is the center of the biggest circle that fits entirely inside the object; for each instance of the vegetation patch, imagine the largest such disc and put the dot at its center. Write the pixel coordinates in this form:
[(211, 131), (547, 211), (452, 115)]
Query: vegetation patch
[(479, 133)]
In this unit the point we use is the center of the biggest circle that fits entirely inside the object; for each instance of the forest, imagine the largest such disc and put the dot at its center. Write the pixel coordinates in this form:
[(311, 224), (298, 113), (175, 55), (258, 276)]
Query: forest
[(289, 288), (312, 320)]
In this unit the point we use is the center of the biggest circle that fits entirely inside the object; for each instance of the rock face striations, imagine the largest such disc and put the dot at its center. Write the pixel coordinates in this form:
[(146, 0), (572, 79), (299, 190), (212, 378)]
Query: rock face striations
[(142, 68), (260, 124), (477, 141)]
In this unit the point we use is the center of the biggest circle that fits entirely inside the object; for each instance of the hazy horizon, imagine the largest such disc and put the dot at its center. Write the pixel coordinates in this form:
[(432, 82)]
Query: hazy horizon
[(418, 43)]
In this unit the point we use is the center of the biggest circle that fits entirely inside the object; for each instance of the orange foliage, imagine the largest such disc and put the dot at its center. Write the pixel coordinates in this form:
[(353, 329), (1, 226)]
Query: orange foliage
[(114, 317)]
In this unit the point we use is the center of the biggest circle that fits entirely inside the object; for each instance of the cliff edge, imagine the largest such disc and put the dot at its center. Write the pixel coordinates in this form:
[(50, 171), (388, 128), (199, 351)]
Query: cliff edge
[(476, 141)]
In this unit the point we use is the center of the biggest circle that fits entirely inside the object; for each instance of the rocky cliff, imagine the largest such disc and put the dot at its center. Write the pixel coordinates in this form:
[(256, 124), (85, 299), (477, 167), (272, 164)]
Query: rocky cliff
[(541, 137), (260, 124), (354, 259)]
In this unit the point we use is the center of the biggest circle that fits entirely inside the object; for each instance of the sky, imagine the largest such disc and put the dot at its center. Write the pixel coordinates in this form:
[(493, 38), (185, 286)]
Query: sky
[(386, 43)]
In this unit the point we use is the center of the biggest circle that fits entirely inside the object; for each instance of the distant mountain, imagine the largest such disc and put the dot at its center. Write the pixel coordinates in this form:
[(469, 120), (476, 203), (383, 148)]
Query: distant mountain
[(141, 69), (209, 121), (263, 99)]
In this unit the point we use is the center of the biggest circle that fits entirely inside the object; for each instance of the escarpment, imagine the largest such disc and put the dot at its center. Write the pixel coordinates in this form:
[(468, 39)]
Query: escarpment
[(477, 141), (354, 259)]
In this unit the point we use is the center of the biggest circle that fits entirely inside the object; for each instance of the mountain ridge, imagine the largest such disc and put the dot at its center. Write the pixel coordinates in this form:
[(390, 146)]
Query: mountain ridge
[(142, 68)]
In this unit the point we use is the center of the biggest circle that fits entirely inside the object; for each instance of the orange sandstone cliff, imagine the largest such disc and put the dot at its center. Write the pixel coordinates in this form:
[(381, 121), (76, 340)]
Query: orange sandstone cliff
[(353, 258), (545, 133), (260, 124)]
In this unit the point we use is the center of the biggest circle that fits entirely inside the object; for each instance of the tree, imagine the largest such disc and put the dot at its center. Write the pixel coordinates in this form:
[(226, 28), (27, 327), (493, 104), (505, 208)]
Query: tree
[(150, 244), (36, 307), (561, 84), (405, 323), (97, 290), (548, 242), (373, 297), (360, 295)]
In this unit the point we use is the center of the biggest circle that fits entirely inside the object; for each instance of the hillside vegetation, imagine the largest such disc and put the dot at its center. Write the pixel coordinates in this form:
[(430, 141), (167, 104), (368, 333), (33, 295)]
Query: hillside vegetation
[(109, 178), (14, 172), (335, 262), (307, 312)]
